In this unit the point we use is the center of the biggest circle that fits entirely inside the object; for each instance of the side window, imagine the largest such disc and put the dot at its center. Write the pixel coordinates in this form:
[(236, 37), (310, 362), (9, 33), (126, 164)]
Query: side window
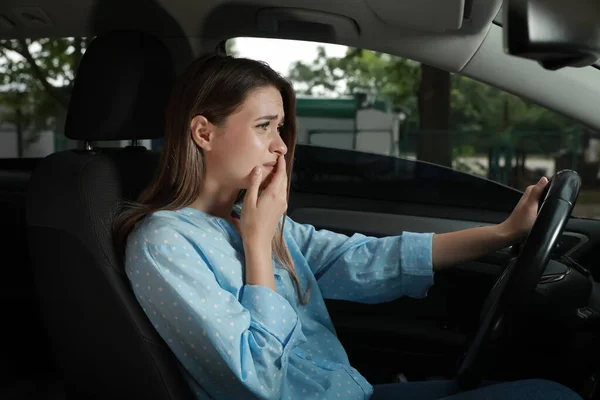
[(360, 110), (36, 78)]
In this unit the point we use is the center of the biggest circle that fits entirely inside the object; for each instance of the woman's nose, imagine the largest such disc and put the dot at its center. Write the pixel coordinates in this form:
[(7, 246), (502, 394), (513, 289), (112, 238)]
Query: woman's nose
[(279, 147)]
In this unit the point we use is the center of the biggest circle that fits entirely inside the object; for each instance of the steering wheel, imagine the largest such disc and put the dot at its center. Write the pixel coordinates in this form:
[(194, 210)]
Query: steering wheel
[(520, 278)]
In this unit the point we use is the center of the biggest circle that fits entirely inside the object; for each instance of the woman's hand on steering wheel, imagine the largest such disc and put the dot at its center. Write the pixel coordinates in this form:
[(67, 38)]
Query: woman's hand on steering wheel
[(521, 220)]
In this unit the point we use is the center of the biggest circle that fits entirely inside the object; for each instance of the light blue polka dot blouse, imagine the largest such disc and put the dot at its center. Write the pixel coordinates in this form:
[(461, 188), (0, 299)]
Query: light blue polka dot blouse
[(238, 341)]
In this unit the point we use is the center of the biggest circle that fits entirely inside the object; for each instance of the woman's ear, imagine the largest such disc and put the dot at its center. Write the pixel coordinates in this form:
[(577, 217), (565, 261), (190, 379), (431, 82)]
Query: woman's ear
[(202, 132)]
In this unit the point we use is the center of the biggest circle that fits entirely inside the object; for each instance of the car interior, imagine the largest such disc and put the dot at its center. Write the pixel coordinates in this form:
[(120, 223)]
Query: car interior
[(73, 328)]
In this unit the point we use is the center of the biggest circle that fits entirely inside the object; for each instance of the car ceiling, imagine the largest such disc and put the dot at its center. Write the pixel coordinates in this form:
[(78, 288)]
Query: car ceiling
[(455, 35), (451, 40)]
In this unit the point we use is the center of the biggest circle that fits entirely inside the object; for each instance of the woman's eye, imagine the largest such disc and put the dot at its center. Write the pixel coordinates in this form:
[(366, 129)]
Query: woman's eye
[(280, 128)]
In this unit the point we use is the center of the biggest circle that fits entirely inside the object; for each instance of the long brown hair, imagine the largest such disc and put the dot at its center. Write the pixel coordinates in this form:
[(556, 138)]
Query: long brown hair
[(213, 86)]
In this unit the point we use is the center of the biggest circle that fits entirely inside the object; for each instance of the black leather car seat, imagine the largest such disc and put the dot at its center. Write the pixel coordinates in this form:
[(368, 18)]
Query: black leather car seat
[(102, 340)]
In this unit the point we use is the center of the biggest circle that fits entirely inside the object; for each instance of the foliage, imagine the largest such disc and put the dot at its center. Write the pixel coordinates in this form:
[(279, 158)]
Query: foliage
[(479, 112), (36, 78), (378, 75)]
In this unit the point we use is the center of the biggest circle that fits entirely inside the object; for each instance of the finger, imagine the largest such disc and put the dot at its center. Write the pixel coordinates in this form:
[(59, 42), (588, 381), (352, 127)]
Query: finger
[(279, 176), (251, 196), (283, 172), (538, 188)]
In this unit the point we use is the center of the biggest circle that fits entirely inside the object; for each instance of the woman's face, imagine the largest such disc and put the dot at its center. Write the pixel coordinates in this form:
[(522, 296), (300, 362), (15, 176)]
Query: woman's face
[(250, 137)]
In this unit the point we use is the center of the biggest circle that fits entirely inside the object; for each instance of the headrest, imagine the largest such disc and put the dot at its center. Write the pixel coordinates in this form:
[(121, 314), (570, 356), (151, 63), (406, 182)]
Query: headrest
[(121, 89)]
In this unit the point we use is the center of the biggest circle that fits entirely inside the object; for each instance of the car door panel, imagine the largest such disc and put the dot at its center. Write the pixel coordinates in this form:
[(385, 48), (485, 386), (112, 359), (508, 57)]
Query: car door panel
[(379, 223), (422, 336), (415, 332), (418, 336)]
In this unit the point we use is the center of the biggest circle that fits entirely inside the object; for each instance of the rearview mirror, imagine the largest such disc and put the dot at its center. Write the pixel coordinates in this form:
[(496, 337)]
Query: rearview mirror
[(555, 33)]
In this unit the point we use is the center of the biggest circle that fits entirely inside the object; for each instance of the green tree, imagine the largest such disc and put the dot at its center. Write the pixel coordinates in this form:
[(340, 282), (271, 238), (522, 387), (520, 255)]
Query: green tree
[(487, 113), (421, 90), (455, 115), (36, 79), (378, 75)]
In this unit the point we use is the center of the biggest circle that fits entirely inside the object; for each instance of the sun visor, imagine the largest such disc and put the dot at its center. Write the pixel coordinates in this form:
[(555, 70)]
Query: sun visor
[(308, 24), (423, 15)]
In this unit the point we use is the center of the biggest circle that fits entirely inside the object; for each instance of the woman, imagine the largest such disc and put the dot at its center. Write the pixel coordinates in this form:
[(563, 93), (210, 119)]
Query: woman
[(234, 286)]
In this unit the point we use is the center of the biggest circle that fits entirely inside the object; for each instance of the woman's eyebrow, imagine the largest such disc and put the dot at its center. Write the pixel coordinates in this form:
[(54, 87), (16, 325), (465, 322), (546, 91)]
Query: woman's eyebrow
[(268, 117)]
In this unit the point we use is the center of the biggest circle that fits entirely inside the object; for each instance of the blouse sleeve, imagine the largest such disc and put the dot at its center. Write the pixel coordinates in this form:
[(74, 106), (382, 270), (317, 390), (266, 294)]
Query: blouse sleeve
[(366, 269)]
